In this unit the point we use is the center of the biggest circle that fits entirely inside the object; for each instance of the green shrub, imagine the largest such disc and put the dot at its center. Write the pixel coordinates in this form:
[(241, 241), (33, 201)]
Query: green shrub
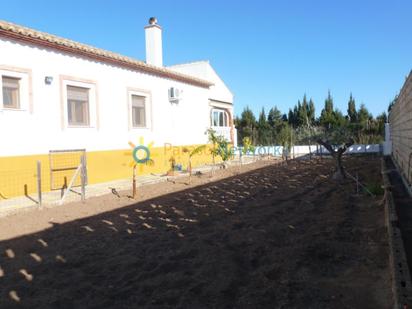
[(375, 188)]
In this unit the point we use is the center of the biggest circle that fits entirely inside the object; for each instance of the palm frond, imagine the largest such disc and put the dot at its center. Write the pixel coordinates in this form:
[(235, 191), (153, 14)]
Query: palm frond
[(197, 150)]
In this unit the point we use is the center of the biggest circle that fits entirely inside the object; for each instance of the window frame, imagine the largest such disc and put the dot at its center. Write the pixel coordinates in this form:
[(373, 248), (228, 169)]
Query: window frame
[(65, 82), (148, 108), (16, 104), (144, 111), (24, 89), (72, 110), (220, 112)]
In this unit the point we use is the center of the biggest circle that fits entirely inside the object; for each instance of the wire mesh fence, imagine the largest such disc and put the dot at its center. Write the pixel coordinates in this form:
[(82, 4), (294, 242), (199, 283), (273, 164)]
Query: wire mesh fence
[(43, 182), (20, 188), (63, 166)]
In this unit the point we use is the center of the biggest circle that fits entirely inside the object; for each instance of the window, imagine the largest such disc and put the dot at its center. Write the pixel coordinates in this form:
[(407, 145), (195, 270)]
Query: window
[(11, 92), (219, 118), (78, 106), (79, 103), (138, 111), (15, 89)]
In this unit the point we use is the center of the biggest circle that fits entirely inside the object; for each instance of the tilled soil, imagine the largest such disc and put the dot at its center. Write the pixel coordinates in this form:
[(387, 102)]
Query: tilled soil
[(276, 237)]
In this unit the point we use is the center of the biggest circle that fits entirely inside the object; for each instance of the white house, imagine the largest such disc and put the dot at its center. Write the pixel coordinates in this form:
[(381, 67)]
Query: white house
[(220, 97), (59, 94)]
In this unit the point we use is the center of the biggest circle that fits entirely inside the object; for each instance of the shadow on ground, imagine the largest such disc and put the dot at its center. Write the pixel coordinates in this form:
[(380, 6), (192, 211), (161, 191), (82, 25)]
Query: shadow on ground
[(278, 237)]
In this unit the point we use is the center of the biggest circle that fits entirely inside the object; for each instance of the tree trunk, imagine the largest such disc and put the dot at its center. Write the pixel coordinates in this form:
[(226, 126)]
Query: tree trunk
[(190, 170), (190, 167), (340, 172), (337, 156)]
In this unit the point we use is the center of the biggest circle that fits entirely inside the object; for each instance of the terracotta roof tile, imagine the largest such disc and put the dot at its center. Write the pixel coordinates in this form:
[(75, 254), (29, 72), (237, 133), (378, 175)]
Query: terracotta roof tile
[(21, 33)]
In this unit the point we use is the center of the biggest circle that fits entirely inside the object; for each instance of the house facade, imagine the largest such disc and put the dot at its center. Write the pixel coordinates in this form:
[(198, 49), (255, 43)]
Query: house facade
[(58, 94)]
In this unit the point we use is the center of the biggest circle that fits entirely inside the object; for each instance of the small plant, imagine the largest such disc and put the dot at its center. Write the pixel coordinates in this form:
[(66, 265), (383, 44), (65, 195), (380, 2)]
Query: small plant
[(223, 149), (197, 150), (148, 162), (375, 188), (172, 161), (247, 145), (220, 146)]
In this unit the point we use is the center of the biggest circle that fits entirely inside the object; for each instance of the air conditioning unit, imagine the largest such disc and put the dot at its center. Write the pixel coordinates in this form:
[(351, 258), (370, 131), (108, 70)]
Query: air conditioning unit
[(174, 95)]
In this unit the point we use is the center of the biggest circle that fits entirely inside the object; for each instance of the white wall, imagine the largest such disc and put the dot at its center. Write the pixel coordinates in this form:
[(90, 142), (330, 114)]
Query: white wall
[(398, 139), (154, 50), (202, 69), (302, 150), (24, 133), (387, 145)]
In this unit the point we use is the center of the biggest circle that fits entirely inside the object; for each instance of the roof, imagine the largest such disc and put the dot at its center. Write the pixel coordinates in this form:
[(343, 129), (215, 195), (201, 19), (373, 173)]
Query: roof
[(20, 33), (189, 63)]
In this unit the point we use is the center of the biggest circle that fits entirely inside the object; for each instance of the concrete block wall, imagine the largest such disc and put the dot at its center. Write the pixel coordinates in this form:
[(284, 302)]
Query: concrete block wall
[(400, 120)]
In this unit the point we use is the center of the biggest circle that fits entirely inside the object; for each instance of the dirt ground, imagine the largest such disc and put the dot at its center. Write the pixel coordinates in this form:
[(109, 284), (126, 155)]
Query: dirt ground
[(279, 236)]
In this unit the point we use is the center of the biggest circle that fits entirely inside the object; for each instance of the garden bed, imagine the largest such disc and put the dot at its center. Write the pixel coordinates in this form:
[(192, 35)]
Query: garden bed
[(276, 236)]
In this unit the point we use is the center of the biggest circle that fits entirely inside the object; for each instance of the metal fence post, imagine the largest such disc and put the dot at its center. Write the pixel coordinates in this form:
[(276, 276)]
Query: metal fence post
[(39, 183), (83, 177)]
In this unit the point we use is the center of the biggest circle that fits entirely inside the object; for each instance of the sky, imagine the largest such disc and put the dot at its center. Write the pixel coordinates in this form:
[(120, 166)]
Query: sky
[(269, 53)]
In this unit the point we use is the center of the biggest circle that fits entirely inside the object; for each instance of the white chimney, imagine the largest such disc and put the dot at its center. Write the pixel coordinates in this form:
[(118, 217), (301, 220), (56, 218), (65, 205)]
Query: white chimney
[(154, 53)]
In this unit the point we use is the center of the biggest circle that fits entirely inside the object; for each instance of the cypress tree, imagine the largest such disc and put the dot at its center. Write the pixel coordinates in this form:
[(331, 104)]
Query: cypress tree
[(352, 114), (263, 129)]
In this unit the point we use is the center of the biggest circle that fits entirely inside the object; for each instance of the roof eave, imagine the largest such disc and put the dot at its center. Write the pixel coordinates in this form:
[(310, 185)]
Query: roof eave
[(118, 61)]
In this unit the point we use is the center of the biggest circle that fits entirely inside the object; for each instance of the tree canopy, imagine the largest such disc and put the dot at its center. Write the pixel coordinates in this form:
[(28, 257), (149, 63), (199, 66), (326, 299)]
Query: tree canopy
[(301, 126)]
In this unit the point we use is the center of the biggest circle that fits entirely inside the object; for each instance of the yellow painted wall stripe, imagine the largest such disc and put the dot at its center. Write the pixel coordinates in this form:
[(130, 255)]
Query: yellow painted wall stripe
[(19, 172)]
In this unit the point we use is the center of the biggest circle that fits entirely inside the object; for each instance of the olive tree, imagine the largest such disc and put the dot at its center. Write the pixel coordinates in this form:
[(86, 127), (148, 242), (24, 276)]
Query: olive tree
[(337, 141)]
